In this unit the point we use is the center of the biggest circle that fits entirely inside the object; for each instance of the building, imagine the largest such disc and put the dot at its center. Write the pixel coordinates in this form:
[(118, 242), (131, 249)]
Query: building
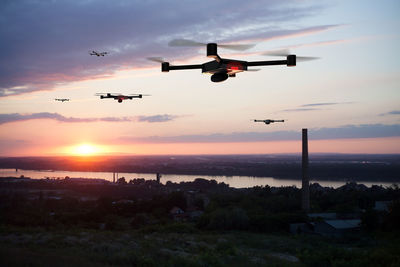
[(336, 227)]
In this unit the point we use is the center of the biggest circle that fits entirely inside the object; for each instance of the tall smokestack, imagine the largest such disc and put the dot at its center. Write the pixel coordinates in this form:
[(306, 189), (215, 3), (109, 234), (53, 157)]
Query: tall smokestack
[(305, 181)]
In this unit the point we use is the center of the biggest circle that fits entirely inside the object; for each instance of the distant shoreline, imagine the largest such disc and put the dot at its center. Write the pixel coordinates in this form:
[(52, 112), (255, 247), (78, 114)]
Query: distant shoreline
[(336, 167), (232, 181), (278, 177)]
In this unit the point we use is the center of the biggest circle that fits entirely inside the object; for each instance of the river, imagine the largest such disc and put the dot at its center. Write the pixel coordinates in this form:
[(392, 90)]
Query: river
[(233, 181)]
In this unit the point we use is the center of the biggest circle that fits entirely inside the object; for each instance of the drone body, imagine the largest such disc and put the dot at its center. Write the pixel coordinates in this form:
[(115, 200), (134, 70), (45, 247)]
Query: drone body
[(119, 97), (99, 54), (221, 68), (61, 99), (268, 121)]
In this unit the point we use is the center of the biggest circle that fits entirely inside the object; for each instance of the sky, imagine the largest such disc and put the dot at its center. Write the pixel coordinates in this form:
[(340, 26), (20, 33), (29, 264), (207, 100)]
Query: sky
[(348, 99)]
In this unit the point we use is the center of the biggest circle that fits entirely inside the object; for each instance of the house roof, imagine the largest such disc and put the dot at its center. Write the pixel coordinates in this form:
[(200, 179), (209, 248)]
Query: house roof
[(344, 224), (326, 215)]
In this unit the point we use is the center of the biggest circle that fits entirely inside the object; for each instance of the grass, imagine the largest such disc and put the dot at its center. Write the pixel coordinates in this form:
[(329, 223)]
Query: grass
[(184, 245)]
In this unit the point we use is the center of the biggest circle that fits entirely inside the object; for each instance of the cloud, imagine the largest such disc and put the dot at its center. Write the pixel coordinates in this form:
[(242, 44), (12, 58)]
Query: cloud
[(46, 43), (321, 43), (157, 118), (321, 104), (343, 132), (300, 109), (269, 35), (15, 117), (309, 107), (393, 112)]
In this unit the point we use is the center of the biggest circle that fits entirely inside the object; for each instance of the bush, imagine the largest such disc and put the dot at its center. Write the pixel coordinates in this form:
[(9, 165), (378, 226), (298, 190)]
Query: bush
[(225, 219)]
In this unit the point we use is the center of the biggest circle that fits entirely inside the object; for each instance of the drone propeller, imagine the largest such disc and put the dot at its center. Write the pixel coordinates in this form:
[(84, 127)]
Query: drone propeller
[(190, 43), (157, 59), (107, 94), (138, 94), (253, 69), (286, 52)]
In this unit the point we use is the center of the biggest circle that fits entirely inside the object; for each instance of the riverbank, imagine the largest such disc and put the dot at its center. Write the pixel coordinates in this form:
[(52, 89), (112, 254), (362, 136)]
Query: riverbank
[(384, 168)]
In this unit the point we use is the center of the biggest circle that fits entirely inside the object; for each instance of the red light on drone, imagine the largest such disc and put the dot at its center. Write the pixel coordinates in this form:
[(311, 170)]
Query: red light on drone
[(234, 68)]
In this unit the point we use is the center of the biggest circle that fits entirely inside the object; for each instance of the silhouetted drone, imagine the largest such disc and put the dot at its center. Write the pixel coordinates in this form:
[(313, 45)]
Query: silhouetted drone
[(119, 97), (269, 121), (99, 54), (222, 68), (61, 99)]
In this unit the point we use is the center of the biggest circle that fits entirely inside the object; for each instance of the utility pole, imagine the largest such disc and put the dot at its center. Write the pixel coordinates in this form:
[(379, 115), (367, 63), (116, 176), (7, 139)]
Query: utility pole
[(305, 181)]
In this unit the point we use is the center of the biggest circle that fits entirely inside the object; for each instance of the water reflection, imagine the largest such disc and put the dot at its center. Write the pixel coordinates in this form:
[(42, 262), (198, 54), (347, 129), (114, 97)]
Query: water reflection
[(233, 181)]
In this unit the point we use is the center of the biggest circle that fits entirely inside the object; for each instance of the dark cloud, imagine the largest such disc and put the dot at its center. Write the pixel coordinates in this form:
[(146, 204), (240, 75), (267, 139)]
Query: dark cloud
[(15, 117), (343, 132), (45, 43), (393, 112)]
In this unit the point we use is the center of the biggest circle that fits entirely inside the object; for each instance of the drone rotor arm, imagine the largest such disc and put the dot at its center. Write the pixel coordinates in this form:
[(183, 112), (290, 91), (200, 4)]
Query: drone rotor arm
[(185, 67), (266, 63)]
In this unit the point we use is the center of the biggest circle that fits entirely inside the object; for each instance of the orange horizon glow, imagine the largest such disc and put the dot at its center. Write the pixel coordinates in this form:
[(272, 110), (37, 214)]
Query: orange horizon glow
[(346, 146)]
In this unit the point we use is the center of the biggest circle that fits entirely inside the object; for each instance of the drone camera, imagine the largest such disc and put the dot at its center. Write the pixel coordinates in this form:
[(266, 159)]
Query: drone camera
[(165, 67), (212, 50), (219, 77), (291, 60)]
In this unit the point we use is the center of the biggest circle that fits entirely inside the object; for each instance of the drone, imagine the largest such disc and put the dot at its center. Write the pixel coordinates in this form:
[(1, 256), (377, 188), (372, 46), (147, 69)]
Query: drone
[(268, 121), (61, 99), (119, 97), (99, 54), (223, 68)]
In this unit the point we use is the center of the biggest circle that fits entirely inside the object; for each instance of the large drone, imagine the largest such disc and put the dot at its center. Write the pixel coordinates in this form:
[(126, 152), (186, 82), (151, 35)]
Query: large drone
[(99, 54), (268, 121), (222, 68), (119, 97), (61, 99)]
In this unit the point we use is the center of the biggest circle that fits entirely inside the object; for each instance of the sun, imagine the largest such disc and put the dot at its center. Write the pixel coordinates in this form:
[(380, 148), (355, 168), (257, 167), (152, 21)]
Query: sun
[(85, 150)]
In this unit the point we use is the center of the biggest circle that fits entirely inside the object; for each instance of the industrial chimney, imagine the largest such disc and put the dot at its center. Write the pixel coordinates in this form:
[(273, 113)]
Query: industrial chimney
[(305, 183)]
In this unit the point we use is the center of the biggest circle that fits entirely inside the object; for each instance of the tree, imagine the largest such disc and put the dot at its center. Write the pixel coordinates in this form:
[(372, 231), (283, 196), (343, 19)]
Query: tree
[(121, 181)]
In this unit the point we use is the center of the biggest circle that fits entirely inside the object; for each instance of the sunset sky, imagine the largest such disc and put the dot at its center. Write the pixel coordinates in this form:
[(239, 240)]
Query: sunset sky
[(349, 99)]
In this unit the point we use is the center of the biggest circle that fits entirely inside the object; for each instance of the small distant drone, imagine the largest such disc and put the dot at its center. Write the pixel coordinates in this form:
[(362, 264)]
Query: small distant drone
[(99, 54), (61, 99), (269, 121), (119, 97), (222, 68)]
